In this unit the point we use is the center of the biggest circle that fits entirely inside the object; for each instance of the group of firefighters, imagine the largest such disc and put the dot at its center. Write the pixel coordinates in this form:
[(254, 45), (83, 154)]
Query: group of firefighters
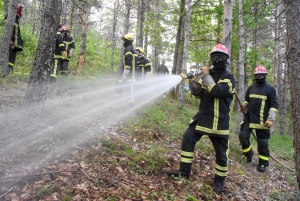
[(215, 88), (64, 47)]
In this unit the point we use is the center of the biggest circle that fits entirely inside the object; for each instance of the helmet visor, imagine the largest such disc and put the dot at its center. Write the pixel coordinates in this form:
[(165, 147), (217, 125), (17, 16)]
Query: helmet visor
[(217, 57), (260, 76)]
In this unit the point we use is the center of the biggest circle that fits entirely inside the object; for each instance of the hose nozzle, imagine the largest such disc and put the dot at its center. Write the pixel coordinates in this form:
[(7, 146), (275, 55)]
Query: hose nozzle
[(190, 75)]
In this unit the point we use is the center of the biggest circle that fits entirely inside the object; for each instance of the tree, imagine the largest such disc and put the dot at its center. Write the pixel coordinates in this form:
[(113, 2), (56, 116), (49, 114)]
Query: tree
[(41, 69), (241, 73), (5, 41), (293, 52), (185, 51), (86, 12)]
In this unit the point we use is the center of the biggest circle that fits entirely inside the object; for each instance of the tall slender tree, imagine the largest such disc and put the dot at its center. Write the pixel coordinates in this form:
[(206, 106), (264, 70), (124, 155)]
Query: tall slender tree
[(293, 52)]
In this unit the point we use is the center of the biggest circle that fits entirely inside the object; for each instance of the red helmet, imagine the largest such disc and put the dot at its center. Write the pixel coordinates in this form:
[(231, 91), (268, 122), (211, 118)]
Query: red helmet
[(19, 11), (63, 28), (220, 48), (260, 70)]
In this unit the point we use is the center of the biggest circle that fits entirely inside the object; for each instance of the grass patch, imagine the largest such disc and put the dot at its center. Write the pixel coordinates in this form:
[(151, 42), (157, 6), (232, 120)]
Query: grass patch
[(282, 146)]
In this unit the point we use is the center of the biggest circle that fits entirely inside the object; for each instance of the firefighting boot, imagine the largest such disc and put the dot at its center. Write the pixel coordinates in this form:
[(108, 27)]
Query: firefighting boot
[(261, 168), (178, 173), (218, 184), (249, 156)]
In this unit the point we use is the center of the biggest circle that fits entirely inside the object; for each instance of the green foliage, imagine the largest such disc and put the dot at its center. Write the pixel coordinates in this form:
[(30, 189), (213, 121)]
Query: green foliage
[(67, 198), (282, 146), (48, 189)]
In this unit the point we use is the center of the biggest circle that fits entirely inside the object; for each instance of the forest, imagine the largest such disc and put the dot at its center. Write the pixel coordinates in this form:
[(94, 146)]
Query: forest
[(75, 139)]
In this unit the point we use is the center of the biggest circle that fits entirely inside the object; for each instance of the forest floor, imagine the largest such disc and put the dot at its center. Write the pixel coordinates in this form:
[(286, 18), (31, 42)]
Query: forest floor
[(116, 165)]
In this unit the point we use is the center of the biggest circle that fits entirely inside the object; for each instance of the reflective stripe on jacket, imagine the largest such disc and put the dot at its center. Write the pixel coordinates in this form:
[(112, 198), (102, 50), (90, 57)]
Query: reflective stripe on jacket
[(59, 46), (214, 110), (261, 99)]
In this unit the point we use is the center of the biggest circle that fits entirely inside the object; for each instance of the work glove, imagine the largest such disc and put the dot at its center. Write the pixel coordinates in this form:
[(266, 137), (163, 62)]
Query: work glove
[(269, 123), (193, 84), (183, 77), (205, 70), (207, 80), (69, 55), (64, 54)]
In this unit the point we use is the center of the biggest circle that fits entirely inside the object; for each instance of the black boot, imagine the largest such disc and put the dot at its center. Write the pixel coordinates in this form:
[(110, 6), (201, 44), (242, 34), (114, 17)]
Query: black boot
[(261, 168), (218, 186), (249, 156), (178, 173)]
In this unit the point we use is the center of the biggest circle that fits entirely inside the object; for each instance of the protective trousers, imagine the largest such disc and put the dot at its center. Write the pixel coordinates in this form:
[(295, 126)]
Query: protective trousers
[(12, 59), (220, 145), (262, 142), (65, 67), (56, 67)]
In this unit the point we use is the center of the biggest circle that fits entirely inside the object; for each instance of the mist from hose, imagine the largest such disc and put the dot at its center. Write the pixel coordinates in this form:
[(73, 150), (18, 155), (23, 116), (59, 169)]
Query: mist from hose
[(76, 112)]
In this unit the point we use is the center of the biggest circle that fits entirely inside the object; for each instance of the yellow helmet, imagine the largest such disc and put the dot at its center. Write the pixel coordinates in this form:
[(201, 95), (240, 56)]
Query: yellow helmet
[(141, 50), (128, 37)]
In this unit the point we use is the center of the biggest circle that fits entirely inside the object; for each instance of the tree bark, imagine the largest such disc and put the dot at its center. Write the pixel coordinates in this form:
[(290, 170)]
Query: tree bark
[(41, 69), (185, 52), (6, 36), (293, 52), (241, 75), (87, 9)]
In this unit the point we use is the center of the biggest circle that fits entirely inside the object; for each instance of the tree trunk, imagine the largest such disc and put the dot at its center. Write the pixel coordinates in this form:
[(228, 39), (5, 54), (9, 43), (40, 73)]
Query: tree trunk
[(126, 30), (185, 52), (227, 26), (147, 8), (114, 26), (6, 36), (41, 69), (241, 76), (87, 9), (141, 19), (293, 51)]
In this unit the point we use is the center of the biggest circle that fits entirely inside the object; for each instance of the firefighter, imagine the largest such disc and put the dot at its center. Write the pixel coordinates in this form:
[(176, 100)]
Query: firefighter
[(16, 43), (129, 59), (260, 109), (70, 47), (128, 68), (143, 65), (59, 53), (215, 88)]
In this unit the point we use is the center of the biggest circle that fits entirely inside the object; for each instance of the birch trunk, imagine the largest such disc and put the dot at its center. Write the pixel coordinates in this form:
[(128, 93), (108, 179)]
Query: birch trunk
[(185, 52), (241, 75)]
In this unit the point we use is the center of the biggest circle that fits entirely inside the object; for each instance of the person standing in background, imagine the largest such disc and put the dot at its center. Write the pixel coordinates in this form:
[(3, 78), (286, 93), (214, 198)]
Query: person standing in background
[(16, 43), (70, 46), (162, 69), (59, 53)]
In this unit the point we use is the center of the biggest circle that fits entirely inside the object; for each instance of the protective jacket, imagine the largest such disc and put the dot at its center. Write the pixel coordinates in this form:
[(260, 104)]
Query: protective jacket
[(59, 46), (213, 116), (260, 99), (16, 36), (143, 67), (69, 44), (129, 61)]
